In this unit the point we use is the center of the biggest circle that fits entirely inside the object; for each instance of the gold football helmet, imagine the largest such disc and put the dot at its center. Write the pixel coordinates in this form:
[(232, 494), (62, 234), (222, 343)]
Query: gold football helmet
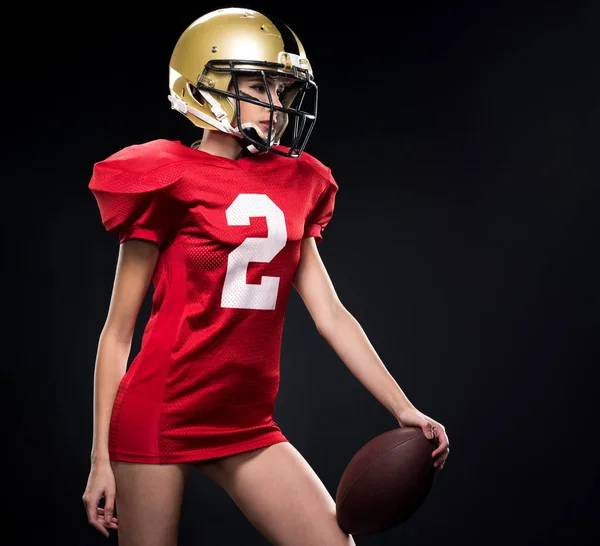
[(217, 47)]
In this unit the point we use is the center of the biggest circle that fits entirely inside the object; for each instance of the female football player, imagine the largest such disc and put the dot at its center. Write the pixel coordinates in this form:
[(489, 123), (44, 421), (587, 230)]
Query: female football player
[(223, 228)]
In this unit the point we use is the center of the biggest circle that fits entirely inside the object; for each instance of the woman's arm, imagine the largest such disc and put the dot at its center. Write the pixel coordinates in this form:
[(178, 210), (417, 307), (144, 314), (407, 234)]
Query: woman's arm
[(343, 332), (135, 267)]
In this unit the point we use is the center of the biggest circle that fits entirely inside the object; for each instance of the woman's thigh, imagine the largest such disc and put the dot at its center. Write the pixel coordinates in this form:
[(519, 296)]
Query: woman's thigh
[(281, 495), (148, 502)]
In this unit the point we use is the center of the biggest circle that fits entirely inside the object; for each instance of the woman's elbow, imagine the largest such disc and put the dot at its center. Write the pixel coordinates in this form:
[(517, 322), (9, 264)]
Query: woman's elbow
[(326, 316)]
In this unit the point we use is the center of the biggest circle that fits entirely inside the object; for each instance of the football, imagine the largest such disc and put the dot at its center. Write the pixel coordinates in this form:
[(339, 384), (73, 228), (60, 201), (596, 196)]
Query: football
[(386, 481)]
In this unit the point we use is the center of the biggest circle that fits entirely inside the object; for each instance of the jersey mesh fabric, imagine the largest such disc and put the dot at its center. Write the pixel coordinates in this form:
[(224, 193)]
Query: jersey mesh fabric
[(205, 381)]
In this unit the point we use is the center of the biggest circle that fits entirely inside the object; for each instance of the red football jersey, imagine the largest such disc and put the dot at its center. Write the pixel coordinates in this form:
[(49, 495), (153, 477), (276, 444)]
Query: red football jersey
[(205, 380)]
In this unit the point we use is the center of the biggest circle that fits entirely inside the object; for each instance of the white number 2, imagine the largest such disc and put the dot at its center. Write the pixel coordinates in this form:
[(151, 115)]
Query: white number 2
[(237, 292)]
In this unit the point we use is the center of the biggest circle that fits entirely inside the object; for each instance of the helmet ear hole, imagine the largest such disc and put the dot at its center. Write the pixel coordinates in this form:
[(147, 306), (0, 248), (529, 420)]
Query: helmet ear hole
[(196, 94)]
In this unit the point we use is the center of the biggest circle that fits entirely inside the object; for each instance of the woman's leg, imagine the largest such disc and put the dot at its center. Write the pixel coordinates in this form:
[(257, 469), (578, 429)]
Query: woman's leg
[(148, 502), (281, 496)]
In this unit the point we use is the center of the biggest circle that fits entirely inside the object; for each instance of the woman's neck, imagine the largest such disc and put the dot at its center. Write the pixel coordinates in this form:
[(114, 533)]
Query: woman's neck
[(221, 144)]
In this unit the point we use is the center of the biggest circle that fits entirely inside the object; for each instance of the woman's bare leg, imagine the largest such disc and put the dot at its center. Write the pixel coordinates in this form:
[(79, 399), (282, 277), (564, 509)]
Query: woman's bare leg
[(148, 502), (281, 496)]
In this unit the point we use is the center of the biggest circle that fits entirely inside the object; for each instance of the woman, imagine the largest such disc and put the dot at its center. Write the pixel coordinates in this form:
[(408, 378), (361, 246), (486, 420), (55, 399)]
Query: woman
[(223, 229)]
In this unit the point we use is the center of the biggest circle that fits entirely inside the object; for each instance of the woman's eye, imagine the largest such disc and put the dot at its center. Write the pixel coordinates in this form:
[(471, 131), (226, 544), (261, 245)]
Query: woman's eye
[(261, 89)]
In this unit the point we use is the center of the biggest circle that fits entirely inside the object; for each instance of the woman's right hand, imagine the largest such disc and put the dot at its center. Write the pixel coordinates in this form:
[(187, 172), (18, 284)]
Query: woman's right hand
[(101, 483)]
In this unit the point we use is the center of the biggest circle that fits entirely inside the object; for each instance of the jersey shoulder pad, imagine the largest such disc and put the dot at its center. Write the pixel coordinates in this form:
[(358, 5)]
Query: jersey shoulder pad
[(142, 167)]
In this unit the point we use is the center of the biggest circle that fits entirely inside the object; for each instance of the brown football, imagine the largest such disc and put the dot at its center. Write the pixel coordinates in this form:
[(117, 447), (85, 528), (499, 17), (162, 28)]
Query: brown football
[(386, 481)]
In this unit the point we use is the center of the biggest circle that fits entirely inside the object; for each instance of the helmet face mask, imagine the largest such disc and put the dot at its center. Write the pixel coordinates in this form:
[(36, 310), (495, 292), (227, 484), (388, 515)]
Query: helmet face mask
[(292, 99), (204, 81)]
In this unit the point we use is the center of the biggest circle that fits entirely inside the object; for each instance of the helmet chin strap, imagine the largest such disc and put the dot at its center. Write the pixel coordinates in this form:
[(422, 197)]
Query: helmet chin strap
[(221, 122), (253, 132)]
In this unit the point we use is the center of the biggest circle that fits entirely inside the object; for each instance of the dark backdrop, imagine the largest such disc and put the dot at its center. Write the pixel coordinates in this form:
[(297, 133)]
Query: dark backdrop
[(464, 138)]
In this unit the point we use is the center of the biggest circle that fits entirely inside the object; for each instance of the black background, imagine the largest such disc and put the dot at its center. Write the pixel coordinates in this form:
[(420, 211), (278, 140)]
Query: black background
[(464, 139)]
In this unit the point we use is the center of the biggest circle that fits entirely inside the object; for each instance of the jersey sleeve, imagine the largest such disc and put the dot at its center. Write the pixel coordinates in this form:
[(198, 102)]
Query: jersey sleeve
[(322, 211), (135, 204)]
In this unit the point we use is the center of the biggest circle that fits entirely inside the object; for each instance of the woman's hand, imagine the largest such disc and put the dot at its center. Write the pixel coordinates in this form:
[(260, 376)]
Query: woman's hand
[(101, 483), (412, 417)]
